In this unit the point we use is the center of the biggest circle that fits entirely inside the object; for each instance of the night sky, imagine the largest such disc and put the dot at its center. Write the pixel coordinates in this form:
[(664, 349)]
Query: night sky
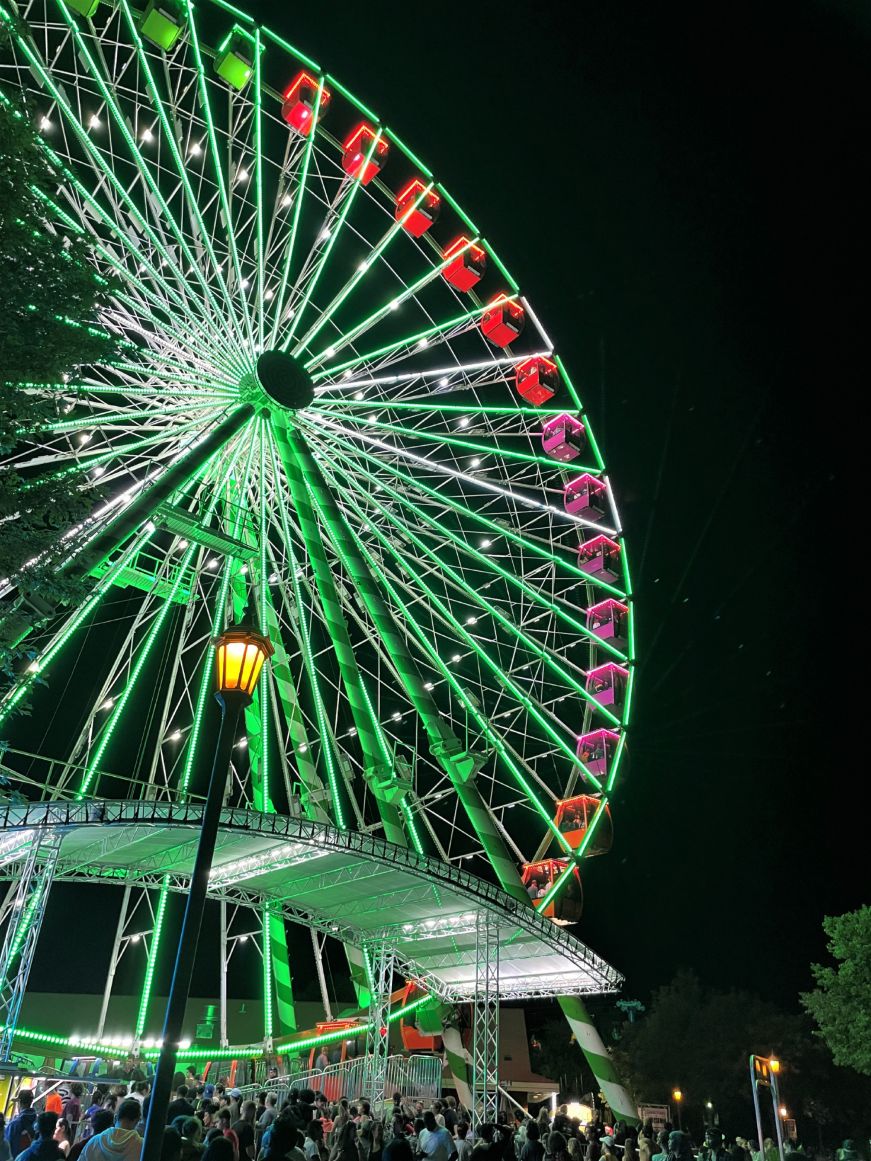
[(673, 187)]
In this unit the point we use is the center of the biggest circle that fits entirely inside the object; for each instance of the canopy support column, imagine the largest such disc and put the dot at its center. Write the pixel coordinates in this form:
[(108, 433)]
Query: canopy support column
[(22, 932), (381, 957), (485, 1028)]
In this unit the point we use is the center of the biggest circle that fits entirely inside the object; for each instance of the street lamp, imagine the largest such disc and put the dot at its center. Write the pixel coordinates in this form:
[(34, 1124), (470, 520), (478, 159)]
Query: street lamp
[(240, 652), (678, 1097)]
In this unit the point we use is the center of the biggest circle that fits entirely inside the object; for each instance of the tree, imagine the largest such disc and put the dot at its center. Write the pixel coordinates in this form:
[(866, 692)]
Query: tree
[(841, 1002), (50, 299)]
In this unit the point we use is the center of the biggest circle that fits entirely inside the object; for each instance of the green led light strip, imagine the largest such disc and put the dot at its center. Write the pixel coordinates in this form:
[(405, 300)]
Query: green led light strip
[(237, 1052)]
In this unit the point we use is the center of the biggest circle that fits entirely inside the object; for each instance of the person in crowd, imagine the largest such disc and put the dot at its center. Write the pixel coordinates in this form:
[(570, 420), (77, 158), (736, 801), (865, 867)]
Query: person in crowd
[(180, 1106), (630, 1153), (43, 1147), (5, 1151), (244, 1130), (218, 1148), (679, 1146), (99, 1120), (398, 1148), (556, 1148), (170, 1145), (345, 1143), (533, 1150), (661, 1153), (120, 1142), (63, 1136), (575, 1148), (463, 1142), (21, 1130), (313, 1146), (434, 1141), (191, 1130)]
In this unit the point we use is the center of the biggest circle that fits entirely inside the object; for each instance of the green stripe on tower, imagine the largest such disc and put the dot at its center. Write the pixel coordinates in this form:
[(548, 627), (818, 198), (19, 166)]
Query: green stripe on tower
[(601, 1065)]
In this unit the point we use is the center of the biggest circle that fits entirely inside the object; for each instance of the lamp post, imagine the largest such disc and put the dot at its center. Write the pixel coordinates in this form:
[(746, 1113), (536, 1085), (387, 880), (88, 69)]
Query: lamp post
[(678, 1097), (240, 653)]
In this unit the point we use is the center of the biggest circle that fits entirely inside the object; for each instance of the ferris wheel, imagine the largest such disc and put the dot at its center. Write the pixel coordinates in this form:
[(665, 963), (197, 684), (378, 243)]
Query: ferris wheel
[(331, 409)]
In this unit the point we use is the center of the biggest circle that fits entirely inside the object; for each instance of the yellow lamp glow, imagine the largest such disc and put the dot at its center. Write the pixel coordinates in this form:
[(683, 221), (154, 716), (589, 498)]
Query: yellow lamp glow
[(774, 1064), (678, 1095), (239, 653), (579, 1112)]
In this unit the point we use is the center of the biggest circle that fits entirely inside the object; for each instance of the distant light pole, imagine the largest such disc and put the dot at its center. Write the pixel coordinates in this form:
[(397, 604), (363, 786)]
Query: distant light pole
[(678, 1097), (240, 652)]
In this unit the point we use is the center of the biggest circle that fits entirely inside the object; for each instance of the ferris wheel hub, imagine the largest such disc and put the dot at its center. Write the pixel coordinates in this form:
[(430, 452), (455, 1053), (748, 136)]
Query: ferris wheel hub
[(285, 380)]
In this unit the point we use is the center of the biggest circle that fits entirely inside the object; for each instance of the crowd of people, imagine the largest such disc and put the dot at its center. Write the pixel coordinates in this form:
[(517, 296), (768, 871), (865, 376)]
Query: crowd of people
[(207, 1122)]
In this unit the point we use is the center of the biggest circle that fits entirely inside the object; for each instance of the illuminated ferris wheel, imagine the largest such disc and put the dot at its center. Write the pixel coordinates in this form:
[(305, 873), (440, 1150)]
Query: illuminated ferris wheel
[(330, 407)]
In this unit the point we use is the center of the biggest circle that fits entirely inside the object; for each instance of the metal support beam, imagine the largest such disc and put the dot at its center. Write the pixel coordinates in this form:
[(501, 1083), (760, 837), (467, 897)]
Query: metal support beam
[(485, 1029), (117, 948), (381, 958), (22, 932), (224, 953), (318, 947)]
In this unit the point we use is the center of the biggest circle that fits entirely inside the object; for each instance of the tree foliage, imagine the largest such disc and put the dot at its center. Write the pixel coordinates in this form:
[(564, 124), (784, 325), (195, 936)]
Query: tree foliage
[(50, 299), (700, 1039), (841, 1002)]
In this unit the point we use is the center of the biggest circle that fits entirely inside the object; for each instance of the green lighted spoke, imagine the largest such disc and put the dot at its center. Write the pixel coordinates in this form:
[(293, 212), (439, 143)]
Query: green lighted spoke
[(102, 419), (258, 177), (297, 207), (425, 641), (422, 338), (96, 157), (462, 634), (467, 445), (308, 655), (377, 757), (394, 303), (205, 105), (136, 152), (169, 136), (45, 658), (153, 950), (425, 407), (146, 647), (548, 657), (324, 257), (358, 275), (442, 498), (533, 594)]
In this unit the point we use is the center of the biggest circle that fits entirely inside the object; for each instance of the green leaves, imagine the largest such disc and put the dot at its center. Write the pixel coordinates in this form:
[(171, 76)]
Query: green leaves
[(841, 1002)]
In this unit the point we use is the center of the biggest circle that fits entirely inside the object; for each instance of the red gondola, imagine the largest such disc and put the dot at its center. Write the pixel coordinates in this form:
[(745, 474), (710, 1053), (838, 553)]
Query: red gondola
[(414, 1037), (537, 380), (573, 817), (300, 98), (568, 904), (468, 267), (423, 214), (502, 321), (358, 147)]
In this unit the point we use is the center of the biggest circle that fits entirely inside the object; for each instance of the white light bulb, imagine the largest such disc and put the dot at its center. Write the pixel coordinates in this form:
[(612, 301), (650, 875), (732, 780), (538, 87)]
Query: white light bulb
[(195, 149), (329, 352), (476, 463), (268, 295), (285, 201), (486, 543), (94, 121), (464, 421), (428, 685), (456, 658), (242, 175), (44, 123), (396, 715), (147, 135), (358, 395)]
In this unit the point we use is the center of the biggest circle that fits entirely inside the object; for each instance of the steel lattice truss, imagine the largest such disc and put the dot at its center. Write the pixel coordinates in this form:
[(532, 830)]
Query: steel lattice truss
[(413, 492)]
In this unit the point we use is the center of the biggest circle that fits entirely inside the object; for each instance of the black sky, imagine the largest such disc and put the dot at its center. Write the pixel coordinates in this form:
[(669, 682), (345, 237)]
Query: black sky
[(675, 188)]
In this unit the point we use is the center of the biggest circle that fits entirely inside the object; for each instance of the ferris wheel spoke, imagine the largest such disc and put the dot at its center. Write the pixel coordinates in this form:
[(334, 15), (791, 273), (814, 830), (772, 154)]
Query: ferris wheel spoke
[(470, 706), (355, 279), (214, 153), (324, 255), (111, 103), (298, 198), (557, 731), (443, 533), (92, 773), (405, 347), (444, 375), (554, 661), (394, 303), (171, 139), (350, 439), (378, 765), (469, 446)]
